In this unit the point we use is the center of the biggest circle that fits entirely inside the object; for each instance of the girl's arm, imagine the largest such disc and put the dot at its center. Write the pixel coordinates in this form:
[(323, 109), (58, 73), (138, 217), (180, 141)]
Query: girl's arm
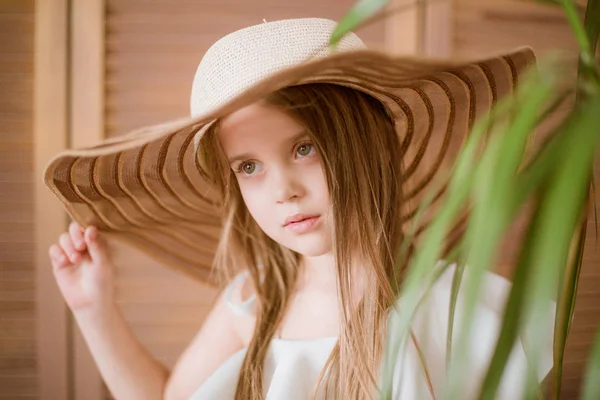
[(130, 371), (84, 273)]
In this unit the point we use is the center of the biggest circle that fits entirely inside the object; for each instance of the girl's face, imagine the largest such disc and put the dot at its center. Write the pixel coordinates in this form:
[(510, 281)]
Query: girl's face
[(280, 177)]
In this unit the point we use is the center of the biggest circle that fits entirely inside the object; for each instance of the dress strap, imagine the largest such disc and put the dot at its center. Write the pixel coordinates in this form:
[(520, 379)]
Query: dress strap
[(245, 307)]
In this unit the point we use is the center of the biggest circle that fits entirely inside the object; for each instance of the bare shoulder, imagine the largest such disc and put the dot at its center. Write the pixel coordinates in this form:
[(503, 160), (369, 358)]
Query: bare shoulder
[(223, 333), (242, 303)]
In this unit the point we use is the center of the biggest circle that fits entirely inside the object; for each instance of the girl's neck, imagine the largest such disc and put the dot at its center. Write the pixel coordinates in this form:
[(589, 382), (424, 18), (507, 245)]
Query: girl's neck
[(320, 273)]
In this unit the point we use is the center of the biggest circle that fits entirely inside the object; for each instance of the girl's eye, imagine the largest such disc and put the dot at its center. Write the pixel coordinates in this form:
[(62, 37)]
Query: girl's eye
[(248, 168), (304, 150)]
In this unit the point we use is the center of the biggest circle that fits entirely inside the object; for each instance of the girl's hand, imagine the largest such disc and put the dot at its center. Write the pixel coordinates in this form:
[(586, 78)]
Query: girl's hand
[(82, 268)]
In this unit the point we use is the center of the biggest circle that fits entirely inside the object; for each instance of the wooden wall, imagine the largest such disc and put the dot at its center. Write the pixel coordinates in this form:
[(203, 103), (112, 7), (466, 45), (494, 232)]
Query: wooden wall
[(18, 374)]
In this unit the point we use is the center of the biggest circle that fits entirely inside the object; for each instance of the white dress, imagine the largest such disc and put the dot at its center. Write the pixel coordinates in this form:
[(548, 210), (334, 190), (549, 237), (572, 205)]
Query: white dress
[(292, 367)]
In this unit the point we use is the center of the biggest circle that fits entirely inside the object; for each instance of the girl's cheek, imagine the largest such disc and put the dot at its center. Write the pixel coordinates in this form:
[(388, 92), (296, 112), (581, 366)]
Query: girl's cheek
[(316, 172), (251, 190), (247, 182)]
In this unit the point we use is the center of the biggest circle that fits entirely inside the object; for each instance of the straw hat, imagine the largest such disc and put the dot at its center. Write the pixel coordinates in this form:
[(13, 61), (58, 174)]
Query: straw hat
[(144, 188)]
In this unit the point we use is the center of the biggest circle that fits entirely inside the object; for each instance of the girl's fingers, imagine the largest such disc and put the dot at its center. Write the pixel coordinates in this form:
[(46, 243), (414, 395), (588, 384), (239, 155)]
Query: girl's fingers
[(57, 256), (76, 232), (68, 248)]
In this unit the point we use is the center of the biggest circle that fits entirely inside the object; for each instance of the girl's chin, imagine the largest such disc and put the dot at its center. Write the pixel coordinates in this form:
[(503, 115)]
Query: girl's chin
[(310, 248)]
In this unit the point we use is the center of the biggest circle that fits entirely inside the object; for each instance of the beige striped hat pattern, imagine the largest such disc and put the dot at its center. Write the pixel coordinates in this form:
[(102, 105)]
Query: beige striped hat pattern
[(144, 188)]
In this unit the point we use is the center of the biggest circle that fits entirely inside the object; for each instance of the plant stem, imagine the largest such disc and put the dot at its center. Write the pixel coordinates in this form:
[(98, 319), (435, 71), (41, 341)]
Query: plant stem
[(592, 23), (579, 31)]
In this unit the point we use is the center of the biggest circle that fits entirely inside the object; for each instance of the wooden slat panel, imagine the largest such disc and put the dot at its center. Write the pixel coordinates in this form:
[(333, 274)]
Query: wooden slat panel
[(587, 313), (18, 366), (155, 47), (227, 10), (18, 355), (16, 290), (87, 128), (16, 63), (16, 266), (16, 328), (16, 386), (50, 127)]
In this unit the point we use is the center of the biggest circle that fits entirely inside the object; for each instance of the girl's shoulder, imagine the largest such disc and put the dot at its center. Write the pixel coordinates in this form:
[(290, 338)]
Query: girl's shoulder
[(240, 297)]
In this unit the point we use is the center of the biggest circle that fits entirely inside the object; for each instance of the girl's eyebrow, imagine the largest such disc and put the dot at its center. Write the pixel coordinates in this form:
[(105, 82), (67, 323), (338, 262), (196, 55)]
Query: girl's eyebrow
[(240, 158), (299, 136), (246, 156)]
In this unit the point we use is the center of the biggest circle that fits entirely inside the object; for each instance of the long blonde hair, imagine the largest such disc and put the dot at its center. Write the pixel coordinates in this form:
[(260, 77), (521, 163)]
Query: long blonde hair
[(360, 155)]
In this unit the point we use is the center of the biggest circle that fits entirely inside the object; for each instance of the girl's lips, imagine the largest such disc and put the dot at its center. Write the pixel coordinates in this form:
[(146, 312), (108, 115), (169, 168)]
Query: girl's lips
[(303, 226)]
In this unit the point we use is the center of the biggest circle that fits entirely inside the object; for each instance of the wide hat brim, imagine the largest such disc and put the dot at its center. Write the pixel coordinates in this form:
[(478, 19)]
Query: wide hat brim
[(144, 188)]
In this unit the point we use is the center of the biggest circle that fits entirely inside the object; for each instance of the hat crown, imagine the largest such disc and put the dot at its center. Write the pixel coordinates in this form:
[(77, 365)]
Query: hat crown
[(245, 57)]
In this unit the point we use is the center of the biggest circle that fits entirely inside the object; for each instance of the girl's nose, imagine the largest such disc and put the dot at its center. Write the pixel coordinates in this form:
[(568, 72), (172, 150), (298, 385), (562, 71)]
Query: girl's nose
[(286, 186)]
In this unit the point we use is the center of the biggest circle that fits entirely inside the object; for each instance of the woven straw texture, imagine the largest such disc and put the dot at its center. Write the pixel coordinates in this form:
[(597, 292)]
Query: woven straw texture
[(145, 189), (260, 51)]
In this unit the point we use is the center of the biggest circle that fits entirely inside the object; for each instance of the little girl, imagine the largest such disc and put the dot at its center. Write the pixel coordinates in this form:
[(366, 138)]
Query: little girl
[(308, 153)]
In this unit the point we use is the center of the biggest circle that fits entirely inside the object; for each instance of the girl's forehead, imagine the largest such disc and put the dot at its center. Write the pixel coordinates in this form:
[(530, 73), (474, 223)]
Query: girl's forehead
[(256, 122)]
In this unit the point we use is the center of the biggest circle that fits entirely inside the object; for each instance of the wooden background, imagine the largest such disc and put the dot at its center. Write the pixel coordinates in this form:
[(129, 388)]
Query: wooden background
[(18, 372), (127, 63)]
